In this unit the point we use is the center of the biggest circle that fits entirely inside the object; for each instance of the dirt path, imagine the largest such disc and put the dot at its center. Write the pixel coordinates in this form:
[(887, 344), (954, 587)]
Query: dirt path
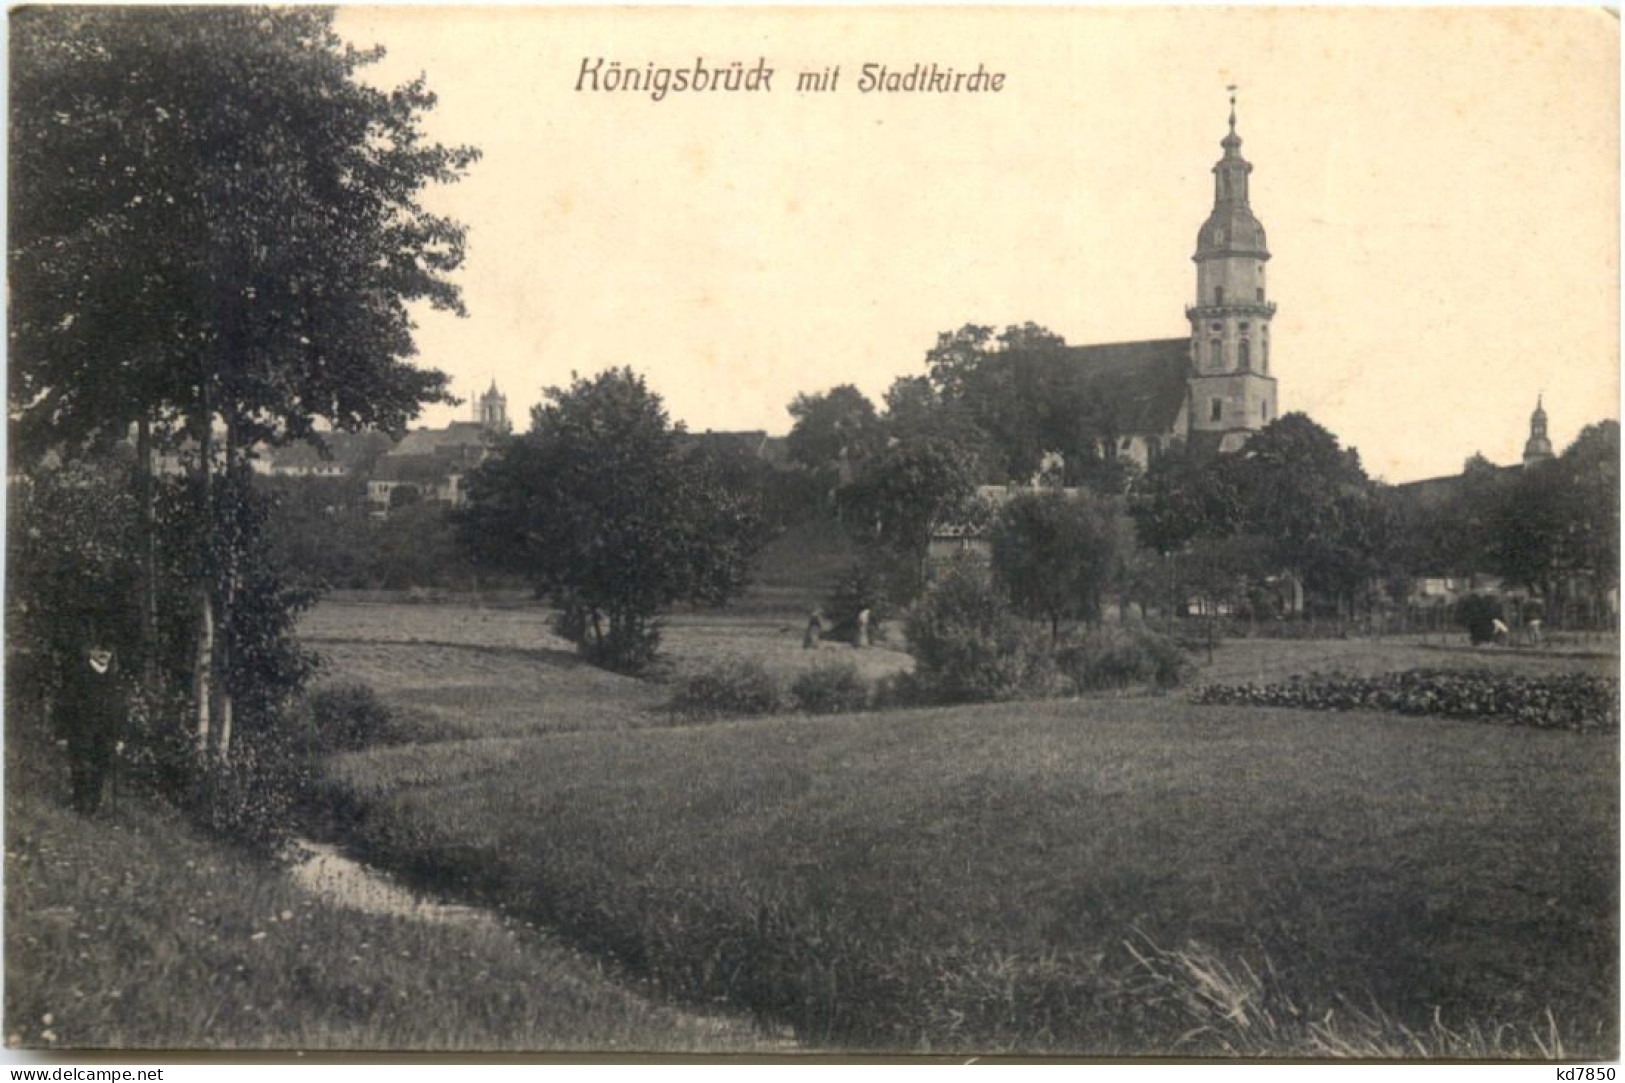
[(325, 872)]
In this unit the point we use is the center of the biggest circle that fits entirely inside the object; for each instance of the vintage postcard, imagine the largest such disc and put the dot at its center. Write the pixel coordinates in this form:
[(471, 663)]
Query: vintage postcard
[(798, 532)]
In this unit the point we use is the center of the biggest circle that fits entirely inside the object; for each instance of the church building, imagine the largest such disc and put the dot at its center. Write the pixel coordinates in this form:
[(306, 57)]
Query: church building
[(1211, 388), (429, 465)]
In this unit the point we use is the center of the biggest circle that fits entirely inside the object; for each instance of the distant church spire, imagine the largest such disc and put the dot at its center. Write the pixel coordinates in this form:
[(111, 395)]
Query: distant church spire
[(1538, 448), (494, 409)]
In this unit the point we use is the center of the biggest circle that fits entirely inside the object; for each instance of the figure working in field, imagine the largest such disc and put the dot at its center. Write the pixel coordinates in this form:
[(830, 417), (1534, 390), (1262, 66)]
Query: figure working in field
[(90, 711), (1533, 619), (815, 630), (1500, 632), (860, 639)]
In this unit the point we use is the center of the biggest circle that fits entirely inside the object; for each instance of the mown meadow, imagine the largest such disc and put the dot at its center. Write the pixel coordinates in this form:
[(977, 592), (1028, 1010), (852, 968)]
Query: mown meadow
[(135, 931), (1106, 875)]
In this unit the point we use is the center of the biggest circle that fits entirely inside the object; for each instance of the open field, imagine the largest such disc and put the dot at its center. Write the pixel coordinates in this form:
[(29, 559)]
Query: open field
[(1059, 876), (1264, 660), (132, 931), (487, 671)]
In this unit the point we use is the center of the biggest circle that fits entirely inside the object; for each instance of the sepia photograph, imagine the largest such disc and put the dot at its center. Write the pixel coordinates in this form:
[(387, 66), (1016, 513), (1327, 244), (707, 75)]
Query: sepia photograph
[(790, 533)]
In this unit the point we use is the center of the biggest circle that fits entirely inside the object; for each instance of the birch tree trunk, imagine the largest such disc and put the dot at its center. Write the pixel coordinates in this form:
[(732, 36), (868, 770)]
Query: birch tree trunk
[(203, 660), (149, 560), (228, 592)]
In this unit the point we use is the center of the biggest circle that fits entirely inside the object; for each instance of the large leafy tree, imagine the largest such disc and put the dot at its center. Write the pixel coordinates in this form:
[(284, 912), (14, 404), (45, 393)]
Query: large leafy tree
[(212, 216), (1183, 495), (1311, 502), (598, 506), (1591, 465), (836, 431), (1557, 522), (1056, 554), (1012, 385), (215, 228), (913, 487)]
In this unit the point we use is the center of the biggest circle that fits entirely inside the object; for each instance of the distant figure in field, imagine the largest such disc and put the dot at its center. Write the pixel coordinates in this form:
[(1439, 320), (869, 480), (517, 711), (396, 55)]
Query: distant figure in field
[(861, 639), (815, 630), (1532, 628), (1502, 634), (90, 712)]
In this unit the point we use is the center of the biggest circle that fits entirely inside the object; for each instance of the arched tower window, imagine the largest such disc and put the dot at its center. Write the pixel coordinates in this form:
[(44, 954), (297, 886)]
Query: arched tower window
[(1215, 353), (1244, 359), (1266, 351), (1218, 295)]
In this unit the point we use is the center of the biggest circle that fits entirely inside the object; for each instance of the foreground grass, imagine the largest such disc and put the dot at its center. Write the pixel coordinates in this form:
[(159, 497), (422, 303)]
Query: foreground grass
[(130, 931), (1029, 877)]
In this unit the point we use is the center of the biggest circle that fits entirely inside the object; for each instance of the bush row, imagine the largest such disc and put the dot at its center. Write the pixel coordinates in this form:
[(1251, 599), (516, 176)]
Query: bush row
[(1576, 701), (961, 666), (740, 688)]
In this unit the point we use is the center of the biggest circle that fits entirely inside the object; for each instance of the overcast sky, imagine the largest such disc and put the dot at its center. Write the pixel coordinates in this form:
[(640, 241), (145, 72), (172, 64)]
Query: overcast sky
[(1440, 191)]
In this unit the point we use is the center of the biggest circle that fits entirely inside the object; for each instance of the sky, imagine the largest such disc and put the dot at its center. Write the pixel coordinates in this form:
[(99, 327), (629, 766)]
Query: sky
[(1439, 187)]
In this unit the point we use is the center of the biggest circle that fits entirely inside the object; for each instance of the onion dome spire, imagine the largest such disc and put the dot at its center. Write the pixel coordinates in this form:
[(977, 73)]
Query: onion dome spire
[(1539, 446), (1231, 230)]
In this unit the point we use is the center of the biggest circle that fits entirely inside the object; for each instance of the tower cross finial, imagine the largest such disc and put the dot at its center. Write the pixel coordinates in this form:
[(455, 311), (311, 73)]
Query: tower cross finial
[(1232, 89)]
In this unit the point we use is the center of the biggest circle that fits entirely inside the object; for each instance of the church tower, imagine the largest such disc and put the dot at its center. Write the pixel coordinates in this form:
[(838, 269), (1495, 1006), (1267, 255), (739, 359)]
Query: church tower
[(1538, 448), (1232, 393), (494, 410)]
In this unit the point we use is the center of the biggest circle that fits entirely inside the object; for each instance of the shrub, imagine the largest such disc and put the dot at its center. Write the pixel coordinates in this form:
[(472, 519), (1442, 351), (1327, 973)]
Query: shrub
[(627, 645), (254, 798), (1576, 701), (730, 688), (835, 688), (969, 647), (880, 582), (1119, 657), (899, 691), (345, 717), (1477, 613)]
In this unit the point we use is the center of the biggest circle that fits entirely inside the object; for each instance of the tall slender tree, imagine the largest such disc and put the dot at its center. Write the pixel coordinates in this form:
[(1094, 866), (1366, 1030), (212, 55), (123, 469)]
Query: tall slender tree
[(216, 233)]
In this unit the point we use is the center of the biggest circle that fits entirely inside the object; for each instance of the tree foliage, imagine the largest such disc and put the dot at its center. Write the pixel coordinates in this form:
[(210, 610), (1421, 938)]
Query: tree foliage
[(597, 505), (211, 214), (911, 488), (1560, 518), (837, 431), (969, 646), (215, 225), (1056, 555)]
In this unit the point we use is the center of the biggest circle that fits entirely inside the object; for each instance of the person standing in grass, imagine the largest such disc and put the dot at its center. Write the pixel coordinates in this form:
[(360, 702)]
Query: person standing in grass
[(861, 640), (89, 713), (815, 630)]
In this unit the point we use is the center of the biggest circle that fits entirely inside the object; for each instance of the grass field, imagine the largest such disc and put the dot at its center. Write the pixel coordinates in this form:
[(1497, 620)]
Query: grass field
[(463, 671), (1109, 875), (131, 931)]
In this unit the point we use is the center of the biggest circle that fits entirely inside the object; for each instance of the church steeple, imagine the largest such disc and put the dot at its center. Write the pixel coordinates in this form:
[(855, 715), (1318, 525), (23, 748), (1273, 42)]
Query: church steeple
[(1231, 227), (1231, 389), (493, 409), (1538, 448)]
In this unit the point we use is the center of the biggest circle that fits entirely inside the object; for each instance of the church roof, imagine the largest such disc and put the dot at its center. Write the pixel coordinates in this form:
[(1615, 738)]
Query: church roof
[(457, 435), (350, 450), (1138, 386), (417, 469)]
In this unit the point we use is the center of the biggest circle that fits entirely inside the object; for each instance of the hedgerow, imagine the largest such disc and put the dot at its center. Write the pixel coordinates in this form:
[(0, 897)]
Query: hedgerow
[(1574, 701)]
